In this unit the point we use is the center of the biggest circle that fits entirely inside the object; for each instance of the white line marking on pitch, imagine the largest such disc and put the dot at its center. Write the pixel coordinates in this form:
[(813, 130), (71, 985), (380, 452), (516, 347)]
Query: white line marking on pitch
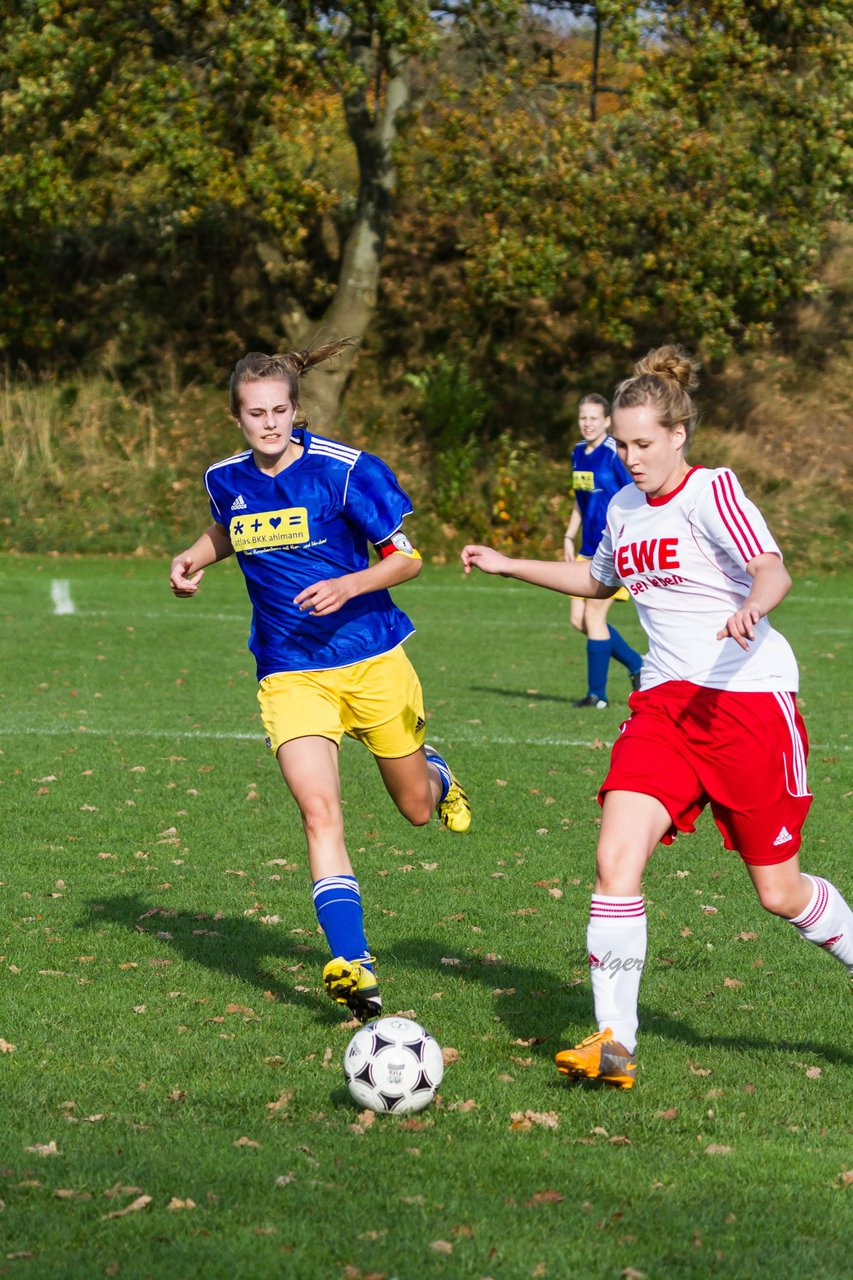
[(233, 736), (60, 594)]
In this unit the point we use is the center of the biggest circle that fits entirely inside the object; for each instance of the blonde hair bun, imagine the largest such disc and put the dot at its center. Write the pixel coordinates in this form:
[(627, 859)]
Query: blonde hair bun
[(673, 362)]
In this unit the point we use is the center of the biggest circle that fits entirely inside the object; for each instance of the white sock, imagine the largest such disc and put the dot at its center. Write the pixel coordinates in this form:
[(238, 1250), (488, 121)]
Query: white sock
[(828, 922), (616, 938)]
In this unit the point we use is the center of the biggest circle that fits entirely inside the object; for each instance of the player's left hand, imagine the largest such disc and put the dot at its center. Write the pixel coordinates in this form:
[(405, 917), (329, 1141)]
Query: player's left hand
[(741, 626), (324, 597)]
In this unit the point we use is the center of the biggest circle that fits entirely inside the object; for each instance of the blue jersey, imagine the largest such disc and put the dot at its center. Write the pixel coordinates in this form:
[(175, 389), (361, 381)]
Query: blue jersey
[(596, 477), (312, 521)]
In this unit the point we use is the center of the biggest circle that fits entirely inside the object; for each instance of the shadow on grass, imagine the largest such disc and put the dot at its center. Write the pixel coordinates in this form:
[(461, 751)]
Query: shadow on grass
[(534, 1005), (237, 946), (551, 1014)]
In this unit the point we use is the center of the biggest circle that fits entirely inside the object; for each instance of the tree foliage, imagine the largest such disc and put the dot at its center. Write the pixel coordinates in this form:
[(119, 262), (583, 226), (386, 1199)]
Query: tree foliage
[(209, 176)]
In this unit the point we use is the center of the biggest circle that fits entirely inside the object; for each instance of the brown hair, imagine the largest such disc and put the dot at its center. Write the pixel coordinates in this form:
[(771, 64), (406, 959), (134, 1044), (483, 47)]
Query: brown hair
[(663, 379), (595, 398), (287, 367)]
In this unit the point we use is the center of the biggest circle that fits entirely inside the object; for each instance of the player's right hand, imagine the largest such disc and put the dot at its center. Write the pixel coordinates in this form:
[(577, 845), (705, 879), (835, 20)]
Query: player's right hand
[(484, 558), (182, 580)]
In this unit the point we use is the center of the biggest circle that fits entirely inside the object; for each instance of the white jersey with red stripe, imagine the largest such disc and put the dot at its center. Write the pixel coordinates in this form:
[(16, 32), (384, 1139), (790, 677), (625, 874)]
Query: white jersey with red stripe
[(683, 558)]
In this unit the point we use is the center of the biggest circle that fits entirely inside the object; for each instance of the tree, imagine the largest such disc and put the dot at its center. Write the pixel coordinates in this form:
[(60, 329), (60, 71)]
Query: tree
[(694, 206), (212, 175), (132, 134)]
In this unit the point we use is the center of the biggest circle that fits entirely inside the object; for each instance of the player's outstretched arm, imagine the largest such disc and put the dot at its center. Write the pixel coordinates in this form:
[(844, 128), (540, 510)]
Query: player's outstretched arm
[(187, 569), (572, 578), (771, 582)]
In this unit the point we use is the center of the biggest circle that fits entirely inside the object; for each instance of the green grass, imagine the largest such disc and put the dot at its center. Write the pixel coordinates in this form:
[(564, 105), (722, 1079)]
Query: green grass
[(156, 1010)]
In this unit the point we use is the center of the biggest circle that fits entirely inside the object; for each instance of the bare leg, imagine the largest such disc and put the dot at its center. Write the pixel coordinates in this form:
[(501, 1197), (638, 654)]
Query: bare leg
[(631, 826), (309, 767), (782, 888), (595, 619), (413, 784)]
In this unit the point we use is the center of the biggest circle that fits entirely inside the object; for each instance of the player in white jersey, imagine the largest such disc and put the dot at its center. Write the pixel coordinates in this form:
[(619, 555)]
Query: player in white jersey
[(716, 720)]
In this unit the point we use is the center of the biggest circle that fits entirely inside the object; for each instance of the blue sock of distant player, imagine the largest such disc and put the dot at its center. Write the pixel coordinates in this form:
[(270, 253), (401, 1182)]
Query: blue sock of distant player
[(337, 901), (597, 666), (443, 770), (622, 652)]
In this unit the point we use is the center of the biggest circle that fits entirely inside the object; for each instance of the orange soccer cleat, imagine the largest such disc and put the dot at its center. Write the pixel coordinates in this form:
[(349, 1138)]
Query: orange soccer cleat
[(599, 1057)]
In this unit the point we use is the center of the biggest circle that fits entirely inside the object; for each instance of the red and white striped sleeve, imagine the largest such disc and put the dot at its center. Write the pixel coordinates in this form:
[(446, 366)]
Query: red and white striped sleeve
[(732, 521)]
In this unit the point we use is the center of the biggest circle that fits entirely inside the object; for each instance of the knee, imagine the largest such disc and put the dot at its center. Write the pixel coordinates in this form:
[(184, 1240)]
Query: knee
[(779, 901), (320, 814), (617, 877), (417, 812)]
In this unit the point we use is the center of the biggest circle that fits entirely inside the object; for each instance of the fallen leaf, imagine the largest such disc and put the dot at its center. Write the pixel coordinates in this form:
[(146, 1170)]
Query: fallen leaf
[(285, 1179), (669, 1114), (847, 1178), (449, 1055), (732, 983), (442, 1246), (175, 1204), (450, 960), (696, 1070), (44, 1149), (526, 1119), (546, 1197), (813, 1073), (715, 1149), (141, 1202), (468, 1105), (746, 937), (245, 1142), (6, 1047), (281, 1103)]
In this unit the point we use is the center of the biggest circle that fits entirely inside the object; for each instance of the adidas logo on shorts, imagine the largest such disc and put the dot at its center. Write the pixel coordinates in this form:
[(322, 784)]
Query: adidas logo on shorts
[(783, 837)]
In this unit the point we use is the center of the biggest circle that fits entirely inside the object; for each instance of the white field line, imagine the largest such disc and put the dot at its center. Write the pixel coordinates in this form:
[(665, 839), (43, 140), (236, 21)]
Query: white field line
[(234, 736), (60, 594)]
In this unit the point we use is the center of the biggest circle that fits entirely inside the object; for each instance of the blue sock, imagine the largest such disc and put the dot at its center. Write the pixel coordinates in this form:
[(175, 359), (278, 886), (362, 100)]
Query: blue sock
[(622, 652), (337, 901), (443, 769), (597, 664)]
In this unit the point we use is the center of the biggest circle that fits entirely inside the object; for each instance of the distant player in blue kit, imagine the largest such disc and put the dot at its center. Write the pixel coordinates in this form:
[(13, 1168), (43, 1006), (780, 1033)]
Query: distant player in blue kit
[(597, 474), (300, 511)]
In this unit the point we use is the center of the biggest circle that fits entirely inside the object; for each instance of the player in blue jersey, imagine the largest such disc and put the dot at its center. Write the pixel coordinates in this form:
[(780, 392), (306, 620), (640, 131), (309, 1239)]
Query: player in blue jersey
[(300, 512), (597, 474)]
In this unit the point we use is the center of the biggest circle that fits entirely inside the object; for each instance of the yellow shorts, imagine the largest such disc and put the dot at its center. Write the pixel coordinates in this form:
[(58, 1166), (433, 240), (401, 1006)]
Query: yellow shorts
[(378, 702), (621, 594)]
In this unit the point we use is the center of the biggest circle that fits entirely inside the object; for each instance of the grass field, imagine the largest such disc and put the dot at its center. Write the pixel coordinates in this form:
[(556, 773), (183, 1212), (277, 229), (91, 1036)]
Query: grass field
[(172, 1091)]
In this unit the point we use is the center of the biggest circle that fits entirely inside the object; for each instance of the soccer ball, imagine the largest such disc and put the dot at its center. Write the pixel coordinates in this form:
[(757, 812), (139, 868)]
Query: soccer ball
[(393, 1064)]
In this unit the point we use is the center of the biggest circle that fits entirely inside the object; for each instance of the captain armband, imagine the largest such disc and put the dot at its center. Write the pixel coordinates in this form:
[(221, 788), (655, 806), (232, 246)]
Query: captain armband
[(397, 543)]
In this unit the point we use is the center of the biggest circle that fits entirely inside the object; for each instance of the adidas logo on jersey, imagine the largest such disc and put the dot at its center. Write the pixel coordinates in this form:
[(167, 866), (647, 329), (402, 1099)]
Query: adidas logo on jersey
[(239, 503), (783, 837)]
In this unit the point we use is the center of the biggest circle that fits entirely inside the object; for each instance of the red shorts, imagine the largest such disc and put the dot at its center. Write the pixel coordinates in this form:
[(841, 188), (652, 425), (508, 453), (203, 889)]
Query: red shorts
[(742, 753)]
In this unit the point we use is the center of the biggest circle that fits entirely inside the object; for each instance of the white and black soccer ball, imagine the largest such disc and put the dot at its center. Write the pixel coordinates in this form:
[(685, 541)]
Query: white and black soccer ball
[(393, 1064)]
